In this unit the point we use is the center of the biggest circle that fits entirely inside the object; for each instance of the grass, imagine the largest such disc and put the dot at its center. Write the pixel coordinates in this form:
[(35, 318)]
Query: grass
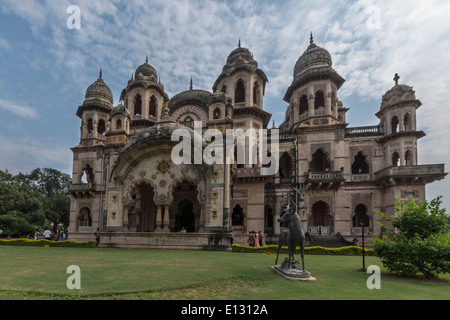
[(39, 273)]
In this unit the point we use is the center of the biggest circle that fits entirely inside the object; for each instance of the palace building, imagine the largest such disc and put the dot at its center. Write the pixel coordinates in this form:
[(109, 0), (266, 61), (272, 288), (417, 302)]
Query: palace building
[(126, 184)]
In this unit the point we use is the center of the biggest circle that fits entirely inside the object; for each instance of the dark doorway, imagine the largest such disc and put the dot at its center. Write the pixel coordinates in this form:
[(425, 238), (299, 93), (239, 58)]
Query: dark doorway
[(360, 165), (237, 218), (185, 217), (320, 162)]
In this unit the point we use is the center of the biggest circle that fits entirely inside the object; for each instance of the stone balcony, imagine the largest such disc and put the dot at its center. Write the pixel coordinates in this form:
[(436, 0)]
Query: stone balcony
[(324, 180), (82, 190), (419, 175)]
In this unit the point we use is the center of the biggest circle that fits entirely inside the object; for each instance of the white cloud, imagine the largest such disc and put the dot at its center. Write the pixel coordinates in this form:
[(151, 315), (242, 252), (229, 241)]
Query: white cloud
[(21, 110), (26, 154)]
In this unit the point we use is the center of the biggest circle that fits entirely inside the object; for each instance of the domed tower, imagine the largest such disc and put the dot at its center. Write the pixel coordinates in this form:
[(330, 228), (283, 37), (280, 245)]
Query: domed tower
[(87, 178), (312, 96), (94, 113), (242, 80), (398, 119), (144, 97), (244, 83)]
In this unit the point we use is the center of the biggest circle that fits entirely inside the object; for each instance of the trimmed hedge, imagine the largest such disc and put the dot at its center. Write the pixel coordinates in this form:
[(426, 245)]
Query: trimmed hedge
[(344, 251), (43, 243)]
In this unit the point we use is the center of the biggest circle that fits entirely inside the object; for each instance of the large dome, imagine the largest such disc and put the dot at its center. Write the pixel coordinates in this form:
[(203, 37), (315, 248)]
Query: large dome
[(146, 70), (313, 57), (99, 90)]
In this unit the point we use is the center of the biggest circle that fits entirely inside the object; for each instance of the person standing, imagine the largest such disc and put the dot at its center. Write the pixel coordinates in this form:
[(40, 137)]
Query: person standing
[(97, 236), (256, 240), (47, 234), (260, 237), (36, 235)]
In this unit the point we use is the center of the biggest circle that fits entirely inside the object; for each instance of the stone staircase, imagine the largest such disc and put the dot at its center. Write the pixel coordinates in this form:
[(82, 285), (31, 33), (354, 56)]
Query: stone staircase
[(328, 241)]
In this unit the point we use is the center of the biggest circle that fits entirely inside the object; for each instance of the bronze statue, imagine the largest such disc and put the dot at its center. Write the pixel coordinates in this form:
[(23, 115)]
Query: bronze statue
[(292, 237)]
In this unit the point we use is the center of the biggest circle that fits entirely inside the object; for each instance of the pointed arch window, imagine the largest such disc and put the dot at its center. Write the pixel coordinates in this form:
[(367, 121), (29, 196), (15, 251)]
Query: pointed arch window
[(319, 101), (90, 126), (101, 128), (408, 158), (407, 122), (216, 114), (360, 165), (138, 105), (152, 109), (118, 124), (361, 218), (303, 105), (320, 162), (395, 159), (256, 94), (239, 94), (394, 124)]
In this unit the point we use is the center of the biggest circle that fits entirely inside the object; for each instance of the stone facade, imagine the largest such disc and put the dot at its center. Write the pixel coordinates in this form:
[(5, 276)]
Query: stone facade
[(126, 184)]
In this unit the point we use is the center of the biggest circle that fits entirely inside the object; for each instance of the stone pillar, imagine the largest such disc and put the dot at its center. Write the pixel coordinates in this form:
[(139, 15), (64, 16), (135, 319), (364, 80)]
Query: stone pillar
[(328, 100), (166, 219), (158, 219), (202, 218), (311, 105)]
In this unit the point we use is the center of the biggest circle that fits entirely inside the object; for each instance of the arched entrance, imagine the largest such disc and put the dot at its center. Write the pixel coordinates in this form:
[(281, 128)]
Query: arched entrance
[(185, 218), (320, 220), (361, 218), (185, 209)]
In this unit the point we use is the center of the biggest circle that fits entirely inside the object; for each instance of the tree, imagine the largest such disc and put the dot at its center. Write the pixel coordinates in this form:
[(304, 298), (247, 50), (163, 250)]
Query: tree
[(39, 197), (53, 184), (420, 242)]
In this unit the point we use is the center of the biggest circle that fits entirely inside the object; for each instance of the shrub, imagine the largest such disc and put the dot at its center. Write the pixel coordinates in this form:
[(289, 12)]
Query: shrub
[(43, 243), (345, 251), (420, 243)]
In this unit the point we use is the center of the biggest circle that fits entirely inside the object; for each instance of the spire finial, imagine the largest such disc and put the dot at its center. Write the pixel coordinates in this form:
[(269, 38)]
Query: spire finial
[(396, 78), (191, 87), (146, 59), (101, 73), (311, 39), (239, 43)]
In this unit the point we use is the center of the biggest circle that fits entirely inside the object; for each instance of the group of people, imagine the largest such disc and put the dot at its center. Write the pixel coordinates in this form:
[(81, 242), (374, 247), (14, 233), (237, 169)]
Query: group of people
[(255, 239), (49, 235)]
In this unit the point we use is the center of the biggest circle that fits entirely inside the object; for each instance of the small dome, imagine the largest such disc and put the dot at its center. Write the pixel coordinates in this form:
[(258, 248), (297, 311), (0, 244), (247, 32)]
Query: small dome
[(99, 90), (146, 70), (121, 108), (240, 53), (397, 94), (314, 56)]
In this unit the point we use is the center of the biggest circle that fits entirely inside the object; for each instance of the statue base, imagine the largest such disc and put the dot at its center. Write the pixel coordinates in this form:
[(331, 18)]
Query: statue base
[(294, 272)]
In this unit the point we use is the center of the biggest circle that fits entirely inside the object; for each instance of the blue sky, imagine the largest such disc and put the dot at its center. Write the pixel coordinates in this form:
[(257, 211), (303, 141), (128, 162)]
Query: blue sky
[(45, 68)]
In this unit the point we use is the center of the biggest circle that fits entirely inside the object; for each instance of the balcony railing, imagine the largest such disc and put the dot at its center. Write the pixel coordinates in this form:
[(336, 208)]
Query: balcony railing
[(364, 131), (326, 176), (411, 171)]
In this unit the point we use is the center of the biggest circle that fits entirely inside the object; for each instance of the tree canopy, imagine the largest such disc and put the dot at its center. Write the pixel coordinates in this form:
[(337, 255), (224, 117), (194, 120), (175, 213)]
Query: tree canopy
[(32, 201)]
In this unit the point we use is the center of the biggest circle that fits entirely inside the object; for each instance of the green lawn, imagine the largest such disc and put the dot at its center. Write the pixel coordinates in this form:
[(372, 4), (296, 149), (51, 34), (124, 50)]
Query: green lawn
[(40, 273)]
